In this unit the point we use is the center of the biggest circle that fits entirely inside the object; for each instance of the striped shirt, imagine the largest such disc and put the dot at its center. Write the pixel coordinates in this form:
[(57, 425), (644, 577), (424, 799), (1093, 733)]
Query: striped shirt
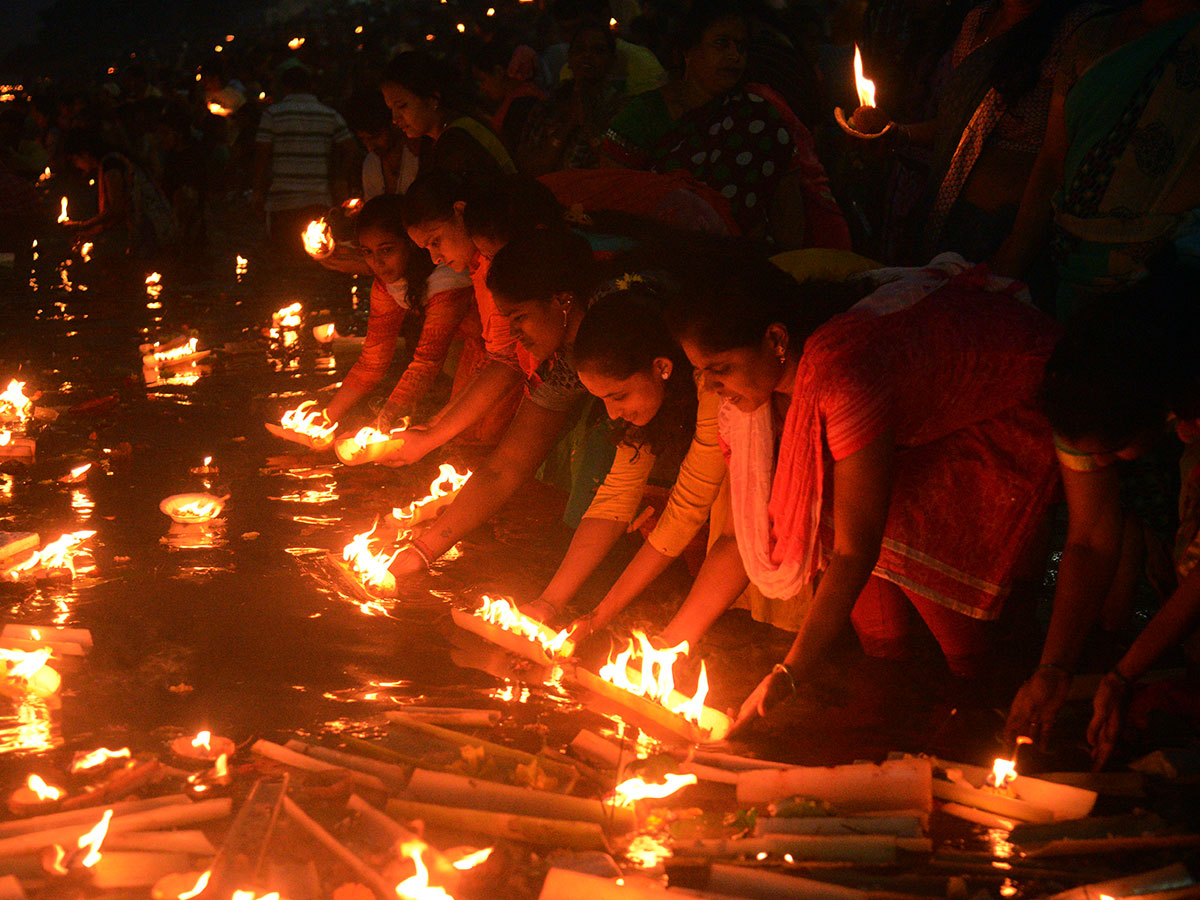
[(302, 133)]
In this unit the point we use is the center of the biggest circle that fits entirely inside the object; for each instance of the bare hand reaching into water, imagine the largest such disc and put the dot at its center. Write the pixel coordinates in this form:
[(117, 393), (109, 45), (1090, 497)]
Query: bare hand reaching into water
[(1036, 705), (1108, 713), (417, 443), (777, 686)]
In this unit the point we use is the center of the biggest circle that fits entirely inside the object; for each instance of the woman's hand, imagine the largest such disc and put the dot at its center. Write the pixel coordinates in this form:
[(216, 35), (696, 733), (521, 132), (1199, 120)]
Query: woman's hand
[(1036, 705), (1108, 712), (541, 609), (776, 687), (417, 443), (407, 562)]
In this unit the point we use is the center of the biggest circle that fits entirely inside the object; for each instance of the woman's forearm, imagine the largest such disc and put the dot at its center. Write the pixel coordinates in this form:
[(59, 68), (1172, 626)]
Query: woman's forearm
[(840, 586), (593, 539), (483, 392), (720, 580), (1171, 624), (647, 565)]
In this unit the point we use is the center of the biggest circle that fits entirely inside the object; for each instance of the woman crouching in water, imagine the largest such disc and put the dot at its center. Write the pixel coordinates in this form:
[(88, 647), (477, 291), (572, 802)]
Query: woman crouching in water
[(625, 356)]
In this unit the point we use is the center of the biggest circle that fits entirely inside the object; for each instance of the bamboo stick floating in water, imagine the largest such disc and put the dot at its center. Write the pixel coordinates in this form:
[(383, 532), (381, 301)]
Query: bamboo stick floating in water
[(1168, 878), (898, 826), (121, 869), (895, 784), (437, 715), (335, 847), (192, 842), (543, 832), (144, 820), (80, 816), (473, 793), (389, 773), (299, 761)]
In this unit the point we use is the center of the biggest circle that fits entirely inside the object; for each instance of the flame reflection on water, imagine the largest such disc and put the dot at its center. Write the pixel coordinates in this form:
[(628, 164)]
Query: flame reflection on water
[(30, 728)]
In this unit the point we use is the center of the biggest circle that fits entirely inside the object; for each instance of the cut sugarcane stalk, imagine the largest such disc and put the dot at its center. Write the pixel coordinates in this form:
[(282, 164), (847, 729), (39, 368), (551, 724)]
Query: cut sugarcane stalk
[(296, 760), (124, 869), (88, 816), (596, 750), (369, 876), (565, 884), (563, 771), (895, 784), (743, 881), (507, 826), (386, 772), (144, 820), (192, 842), (473, 793), (466, 718)]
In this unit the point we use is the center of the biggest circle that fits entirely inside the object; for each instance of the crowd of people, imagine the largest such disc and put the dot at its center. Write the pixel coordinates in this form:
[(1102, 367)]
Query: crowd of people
[(860, 358)]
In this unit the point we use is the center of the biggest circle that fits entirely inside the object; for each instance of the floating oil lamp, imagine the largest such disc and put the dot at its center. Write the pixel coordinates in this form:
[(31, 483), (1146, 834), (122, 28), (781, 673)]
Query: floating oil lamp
[(85, 251), (19, 448), (296, 43), (25, 674), (62, 212), (14, 405), (353, 205), (318, 239), (76, 475), (85, 761), (369, 566), (442, 492), (306, 424), (218, 775), (45, 176), (325, 333), (369, 444), (218, 110), (633, 789), (868, 121), (34, 796), (192, 509), (56, 557), (204, 747), (87, 852), (205, 468), (179, 352), (288, 316), (180, 885), (500, 622), (241, 265)]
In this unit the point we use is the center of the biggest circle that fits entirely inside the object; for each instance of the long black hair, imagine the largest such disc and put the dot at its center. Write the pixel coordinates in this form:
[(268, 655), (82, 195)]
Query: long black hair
[(622, 334), (542, 265), (386, 213), (731, 297)]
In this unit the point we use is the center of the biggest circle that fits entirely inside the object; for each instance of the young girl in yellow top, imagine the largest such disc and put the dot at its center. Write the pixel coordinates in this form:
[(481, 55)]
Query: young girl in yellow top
[(625, 356)]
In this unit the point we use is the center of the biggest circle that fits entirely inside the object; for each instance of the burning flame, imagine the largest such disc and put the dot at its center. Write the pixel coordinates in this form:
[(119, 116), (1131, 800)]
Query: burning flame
[(198, 887), (352, 205), (5, 438), (637, 789), (417, 886), (85, 251), (62, 213), (13, 402), (42, 790), (154, 286), (55, 555), (318, 239), (471, 860), (864, 86), (76, 474), (198, 509), (288, 317), (1004, 771), (221, 767), (501, 613), (207, 461), (250, 895), (45, 176), (296, 43), (175, 354), (217, 109), (447, 482), (93, 839), (657, 687), (24, 664), (203, 740), (241, 265), (303, 420), (98, 757), (370, 566)]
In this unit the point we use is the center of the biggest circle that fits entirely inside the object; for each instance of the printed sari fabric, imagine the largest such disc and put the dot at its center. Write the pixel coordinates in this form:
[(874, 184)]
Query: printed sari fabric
[(1133, 121), (741, 145), (950, 361)]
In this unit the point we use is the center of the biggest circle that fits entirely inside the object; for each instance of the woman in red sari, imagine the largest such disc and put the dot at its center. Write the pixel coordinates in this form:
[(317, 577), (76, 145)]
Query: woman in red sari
[(887, 449)]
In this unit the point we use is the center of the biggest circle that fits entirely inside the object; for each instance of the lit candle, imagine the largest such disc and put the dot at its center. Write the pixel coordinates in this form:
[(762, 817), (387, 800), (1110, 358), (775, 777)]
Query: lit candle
[(35, 795), (204, 746)]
